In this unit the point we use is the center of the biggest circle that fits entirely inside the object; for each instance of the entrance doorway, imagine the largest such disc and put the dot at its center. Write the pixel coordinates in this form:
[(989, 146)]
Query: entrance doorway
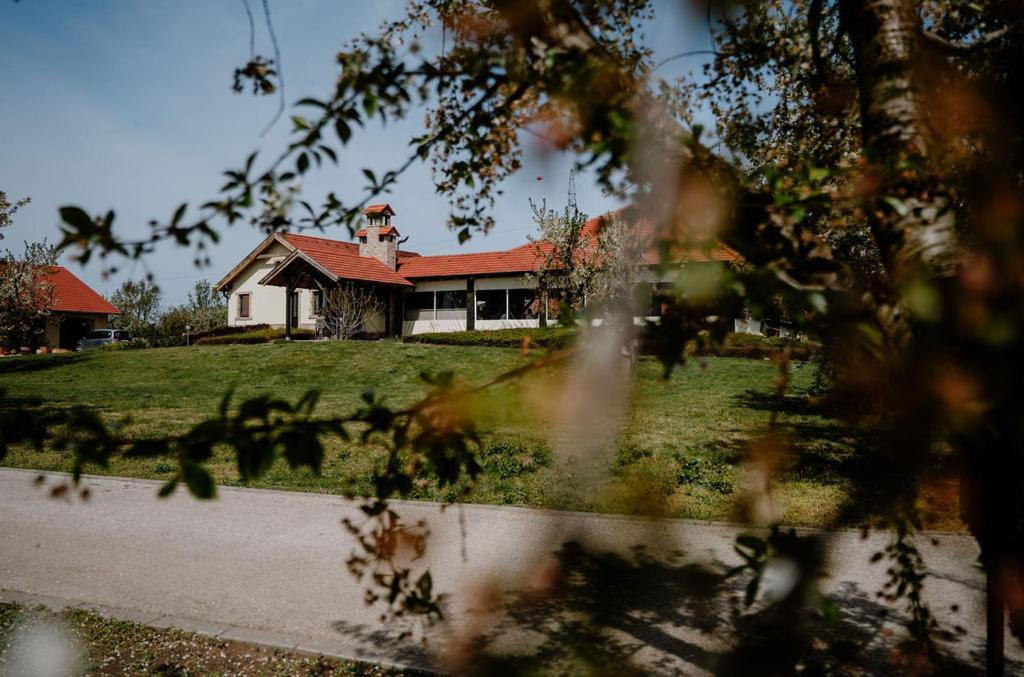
[(72, 330)]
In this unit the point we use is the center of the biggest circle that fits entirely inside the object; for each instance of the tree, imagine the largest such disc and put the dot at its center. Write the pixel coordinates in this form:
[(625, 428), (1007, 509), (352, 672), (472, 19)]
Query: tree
[(26, 295), (207, 309), (8, 209), (567, 271), (347, 309), (139, 302), (897, 119)]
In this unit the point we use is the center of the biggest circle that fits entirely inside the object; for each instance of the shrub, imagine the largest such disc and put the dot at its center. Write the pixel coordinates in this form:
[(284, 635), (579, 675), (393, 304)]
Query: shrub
[(545, 337), (508, 459), (131, 344), (265, 335)]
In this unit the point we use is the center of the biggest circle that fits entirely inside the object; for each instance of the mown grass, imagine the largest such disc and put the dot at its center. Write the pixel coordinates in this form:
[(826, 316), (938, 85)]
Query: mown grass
[(681, 451)]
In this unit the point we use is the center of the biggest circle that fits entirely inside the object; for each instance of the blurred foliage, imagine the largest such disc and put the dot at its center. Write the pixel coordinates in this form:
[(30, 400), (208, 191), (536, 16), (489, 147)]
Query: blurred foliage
[(865, 164)]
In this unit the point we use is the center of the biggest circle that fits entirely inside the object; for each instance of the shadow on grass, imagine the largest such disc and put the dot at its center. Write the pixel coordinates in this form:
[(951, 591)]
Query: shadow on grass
[(613, 614), (23, 364), (828, 450)]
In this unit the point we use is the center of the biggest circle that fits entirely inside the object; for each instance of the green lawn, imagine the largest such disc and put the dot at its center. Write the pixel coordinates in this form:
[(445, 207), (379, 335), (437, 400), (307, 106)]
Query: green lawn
[(680, 453)]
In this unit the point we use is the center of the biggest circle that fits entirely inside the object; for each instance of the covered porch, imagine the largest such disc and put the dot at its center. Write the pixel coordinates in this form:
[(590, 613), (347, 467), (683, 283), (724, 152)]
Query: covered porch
[(301, 272)]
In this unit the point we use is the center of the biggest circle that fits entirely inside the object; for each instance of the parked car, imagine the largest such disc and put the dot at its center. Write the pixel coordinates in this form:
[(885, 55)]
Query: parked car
[(101, 337)]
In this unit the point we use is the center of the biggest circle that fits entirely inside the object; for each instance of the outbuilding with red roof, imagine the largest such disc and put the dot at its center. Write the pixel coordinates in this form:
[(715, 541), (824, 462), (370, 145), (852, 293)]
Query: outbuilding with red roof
[(76, 309)]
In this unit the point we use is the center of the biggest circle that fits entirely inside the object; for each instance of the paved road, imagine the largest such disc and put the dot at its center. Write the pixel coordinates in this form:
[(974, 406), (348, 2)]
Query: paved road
[(271, 564)]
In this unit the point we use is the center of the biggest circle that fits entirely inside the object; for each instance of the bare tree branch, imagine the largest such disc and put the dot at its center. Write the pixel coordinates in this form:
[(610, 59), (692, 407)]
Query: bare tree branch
[(935, 40)]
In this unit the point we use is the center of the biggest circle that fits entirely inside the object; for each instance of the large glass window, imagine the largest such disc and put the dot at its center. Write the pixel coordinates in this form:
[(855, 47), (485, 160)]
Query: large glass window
[(491, 305), (523, 304), (419, 305), (451, 305), (451, 300)]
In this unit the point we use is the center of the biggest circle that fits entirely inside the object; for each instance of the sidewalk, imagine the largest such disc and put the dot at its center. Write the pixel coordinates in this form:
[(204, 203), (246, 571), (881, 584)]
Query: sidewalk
[(268, 567)]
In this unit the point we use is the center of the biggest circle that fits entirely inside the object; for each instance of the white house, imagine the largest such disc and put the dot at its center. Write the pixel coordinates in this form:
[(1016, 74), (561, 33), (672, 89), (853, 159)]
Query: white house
[(280, 281)]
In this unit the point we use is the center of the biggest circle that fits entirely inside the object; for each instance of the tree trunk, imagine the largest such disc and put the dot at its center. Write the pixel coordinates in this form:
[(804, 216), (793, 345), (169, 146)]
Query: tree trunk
[(917, 232), (914, 224)]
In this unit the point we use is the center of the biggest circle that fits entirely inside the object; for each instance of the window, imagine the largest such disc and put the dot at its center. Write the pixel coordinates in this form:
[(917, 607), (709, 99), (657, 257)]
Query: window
[(419, 305), (244, 306), (317, 305), (449, 300), (491, 304), (121, 335), (451, 305), (99, 334), (523, 304)]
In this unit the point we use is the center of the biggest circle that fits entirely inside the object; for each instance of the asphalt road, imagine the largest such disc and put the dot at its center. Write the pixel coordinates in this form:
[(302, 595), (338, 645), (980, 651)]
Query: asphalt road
[(274, 563)]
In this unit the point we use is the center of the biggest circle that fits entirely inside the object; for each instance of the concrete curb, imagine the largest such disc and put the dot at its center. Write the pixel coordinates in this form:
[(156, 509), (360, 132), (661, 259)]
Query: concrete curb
[(328, 648), (511, 509)]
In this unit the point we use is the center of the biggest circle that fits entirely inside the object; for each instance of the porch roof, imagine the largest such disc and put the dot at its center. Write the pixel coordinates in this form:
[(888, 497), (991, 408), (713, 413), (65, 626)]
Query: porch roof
[(335, 265)]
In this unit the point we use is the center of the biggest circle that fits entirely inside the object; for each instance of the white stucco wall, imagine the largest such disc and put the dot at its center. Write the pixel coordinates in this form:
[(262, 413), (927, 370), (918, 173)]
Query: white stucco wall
[(266, 303)]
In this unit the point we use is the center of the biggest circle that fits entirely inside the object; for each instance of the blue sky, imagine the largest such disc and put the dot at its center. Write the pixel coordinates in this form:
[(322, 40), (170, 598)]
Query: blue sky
[(126, 105)]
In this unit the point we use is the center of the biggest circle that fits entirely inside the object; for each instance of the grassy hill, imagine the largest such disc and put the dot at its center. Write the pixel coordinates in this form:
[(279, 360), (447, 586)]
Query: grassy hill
[(680, 453)]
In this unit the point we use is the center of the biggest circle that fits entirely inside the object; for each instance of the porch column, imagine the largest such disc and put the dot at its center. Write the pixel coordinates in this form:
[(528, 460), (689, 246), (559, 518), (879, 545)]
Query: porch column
[(470, 304), (289, 292), (542, 317)]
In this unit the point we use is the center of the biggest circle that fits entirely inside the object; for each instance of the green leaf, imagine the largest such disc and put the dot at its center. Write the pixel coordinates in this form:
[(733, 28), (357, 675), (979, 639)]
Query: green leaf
[(752, 543), (898, 205), (302, 164), (831, 612), (751, 592), (425, 585), (818, 174), (199, 480), (343, 130), (300, 122), (168, 489), (464, 235), (77, 219), (309, 101), (178, 213)]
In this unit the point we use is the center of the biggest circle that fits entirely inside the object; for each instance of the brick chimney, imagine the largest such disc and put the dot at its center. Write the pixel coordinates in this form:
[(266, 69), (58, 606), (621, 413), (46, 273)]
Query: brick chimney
[(379, 239)]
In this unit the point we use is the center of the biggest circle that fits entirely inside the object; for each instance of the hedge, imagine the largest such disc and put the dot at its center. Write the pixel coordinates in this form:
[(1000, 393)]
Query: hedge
[(227, 330), (750, 346), (251, 337), (755, 346), (546, 337)]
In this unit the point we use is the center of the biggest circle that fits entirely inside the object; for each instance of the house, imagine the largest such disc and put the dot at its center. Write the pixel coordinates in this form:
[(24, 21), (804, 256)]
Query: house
[(75, 310), (281, 282)]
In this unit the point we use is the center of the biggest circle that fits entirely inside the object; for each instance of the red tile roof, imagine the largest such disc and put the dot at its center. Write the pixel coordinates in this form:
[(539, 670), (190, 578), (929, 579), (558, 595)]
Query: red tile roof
[(71, 295), (529, 257), (379, 209), (343, 259), (519, 260)]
